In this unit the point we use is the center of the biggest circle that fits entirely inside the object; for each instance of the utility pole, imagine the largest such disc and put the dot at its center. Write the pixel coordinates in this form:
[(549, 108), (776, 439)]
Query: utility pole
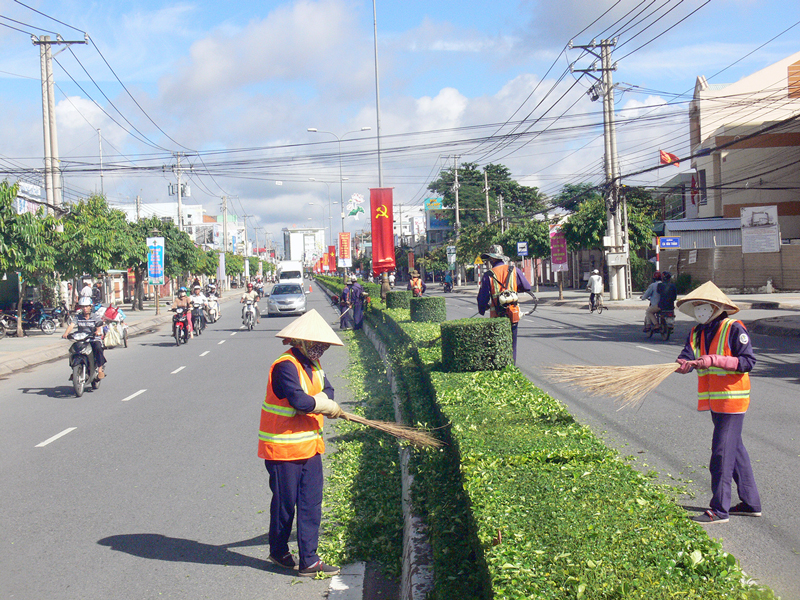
[(616, 240), (177, 170), (138, 207), (502, 216), (486, 191), (225, 223), (458, 218), (52, 173), (100, 143)]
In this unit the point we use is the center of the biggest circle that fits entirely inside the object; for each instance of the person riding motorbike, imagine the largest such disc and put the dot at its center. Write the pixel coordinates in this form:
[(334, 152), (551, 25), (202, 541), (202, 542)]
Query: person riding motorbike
[(85, 322), (252, 296), (667, 293), (651, 293), (199, 301), (183, 301)]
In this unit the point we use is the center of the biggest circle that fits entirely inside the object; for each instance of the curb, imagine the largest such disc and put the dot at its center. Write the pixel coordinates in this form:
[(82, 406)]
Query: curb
[(349, 583), (771, 326)]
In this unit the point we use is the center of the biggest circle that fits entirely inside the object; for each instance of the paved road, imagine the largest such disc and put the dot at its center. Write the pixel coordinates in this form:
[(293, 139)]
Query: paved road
[(154, 489), (669, 435)]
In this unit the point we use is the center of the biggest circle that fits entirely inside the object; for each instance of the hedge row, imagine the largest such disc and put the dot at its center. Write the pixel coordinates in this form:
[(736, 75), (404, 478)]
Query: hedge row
[(524, 502)]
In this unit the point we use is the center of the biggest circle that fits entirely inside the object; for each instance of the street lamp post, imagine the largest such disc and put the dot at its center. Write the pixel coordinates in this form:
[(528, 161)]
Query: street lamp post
[(330, 226)]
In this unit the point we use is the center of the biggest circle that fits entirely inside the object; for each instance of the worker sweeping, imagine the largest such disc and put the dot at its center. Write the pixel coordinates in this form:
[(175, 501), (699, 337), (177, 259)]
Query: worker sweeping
[(291, 444), (719, 349)]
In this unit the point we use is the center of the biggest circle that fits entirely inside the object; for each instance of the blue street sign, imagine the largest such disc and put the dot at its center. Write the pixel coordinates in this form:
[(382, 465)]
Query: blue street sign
[(522, 248), (668, 243)]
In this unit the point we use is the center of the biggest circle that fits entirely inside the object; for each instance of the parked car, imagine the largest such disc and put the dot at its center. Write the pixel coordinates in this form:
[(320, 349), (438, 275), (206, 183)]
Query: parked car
[(286, 299)]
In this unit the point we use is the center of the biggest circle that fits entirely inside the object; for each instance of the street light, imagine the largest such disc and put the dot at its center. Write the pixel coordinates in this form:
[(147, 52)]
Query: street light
[(341, 180)]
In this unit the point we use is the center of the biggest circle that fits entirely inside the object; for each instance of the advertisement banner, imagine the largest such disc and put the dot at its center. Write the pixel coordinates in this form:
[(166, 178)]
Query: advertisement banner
[(382, 218), (345, 256), (325, 266), (558, 249), (155, 260), (436, 216), (411, 261)]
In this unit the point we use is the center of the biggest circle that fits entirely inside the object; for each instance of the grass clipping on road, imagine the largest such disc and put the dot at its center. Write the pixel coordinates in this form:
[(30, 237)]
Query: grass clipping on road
[(363, 510)]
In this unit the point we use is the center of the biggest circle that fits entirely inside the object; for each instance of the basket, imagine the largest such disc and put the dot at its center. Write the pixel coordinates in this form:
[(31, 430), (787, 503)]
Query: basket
[(111, 313)]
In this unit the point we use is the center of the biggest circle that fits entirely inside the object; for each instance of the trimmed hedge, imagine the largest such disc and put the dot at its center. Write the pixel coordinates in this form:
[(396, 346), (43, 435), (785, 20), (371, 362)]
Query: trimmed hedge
[(428, 310), (476, 345), (398, 299)]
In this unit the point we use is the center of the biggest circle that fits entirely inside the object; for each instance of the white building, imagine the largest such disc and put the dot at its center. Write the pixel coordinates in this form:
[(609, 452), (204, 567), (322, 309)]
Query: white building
[(306, 244), (409, 224)]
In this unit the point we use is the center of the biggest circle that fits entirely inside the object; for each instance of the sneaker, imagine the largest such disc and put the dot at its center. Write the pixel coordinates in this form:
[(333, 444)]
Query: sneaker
[(743, 510), (286, 561), (318, 568), (709, 517)]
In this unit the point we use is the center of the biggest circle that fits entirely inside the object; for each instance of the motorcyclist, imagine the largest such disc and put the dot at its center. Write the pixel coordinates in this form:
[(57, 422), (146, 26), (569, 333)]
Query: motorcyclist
[(448, 281), (199, 300), (183, 301), (651, 293), (667, 293), (85, 322), (213, 295), (252, 296)]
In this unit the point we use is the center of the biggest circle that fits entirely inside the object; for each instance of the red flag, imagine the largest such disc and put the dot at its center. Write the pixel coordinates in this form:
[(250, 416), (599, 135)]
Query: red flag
[(668, 159), (332, 257), (695, 191), (382, 217), (344, 245)]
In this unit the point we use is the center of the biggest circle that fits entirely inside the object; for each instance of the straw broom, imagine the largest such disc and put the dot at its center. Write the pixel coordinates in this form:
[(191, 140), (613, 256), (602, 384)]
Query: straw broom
[(627, 385), (417, 437)]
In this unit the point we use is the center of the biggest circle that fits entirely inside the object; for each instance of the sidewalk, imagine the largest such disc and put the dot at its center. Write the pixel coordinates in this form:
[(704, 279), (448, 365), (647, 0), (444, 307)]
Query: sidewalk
[(783, 325), (37, 348)]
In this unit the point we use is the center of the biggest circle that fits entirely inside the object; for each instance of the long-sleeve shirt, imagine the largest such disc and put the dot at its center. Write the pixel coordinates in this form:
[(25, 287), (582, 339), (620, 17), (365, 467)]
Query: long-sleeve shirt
[(738, 341), (485, 291), (651, 293), (286, 383), (411, 287), (667, 293)]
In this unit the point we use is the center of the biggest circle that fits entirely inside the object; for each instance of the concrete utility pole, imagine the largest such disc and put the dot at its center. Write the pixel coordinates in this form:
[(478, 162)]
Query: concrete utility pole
[(458, 217), (486, 191), (52, 172), (100, 143), (179, 190), (225, 223), (138, 207), (617, 257)]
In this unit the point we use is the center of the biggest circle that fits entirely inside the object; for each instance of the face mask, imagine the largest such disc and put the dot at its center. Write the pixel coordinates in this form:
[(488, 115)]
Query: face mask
[(704, 312), (314, 350)]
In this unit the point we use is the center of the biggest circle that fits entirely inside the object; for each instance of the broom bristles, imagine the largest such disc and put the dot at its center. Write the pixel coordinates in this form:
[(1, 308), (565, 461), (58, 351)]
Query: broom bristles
[(415, 436), (627, 385)]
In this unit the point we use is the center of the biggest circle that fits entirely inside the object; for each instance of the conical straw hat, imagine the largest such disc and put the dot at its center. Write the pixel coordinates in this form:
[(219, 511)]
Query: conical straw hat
[(708, 292), (311, 327)]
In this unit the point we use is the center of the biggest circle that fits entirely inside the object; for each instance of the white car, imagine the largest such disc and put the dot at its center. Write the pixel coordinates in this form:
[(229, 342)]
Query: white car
[(286, 299)]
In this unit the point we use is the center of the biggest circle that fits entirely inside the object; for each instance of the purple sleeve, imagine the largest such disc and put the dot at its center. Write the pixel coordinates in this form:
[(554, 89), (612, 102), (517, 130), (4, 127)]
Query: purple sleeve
[(286, 384), (741, 347), (523, 285), (687, 353), (484, 294)]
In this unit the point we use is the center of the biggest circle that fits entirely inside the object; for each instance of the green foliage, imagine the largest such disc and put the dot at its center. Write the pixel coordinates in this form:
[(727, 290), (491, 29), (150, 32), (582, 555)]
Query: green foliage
[(684, 283), (475, 240), (398, 299), (26, 240), (476, 345), (431, 309), (641, 272), (536, 233), (234, 264)]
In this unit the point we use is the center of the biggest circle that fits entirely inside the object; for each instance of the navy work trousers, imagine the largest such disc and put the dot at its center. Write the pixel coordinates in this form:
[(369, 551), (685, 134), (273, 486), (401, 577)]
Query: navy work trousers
[(297, 485), (730, 462)]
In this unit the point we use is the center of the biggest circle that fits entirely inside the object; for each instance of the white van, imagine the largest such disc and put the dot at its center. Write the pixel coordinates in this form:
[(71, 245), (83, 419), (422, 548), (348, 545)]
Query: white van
[(290, 271)]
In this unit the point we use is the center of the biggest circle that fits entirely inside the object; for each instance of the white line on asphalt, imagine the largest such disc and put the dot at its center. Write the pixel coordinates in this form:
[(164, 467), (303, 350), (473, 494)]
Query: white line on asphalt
[(242, 327), (221, 342), (55, 437), (234, 333), (206, 352), (650, 349), (132, 396), (178, 370)]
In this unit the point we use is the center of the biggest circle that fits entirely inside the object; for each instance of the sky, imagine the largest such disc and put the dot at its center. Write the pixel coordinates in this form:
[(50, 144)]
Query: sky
[(235, 86)]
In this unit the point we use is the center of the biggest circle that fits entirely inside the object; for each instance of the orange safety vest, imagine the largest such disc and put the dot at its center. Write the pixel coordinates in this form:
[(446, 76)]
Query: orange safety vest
[(507, 274), (717, 389), (416, 286), (285, 434)]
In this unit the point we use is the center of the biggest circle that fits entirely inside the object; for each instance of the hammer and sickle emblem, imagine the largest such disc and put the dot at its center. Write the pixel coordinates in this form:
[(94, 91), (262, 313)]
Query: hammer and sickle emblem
[(381, 212)]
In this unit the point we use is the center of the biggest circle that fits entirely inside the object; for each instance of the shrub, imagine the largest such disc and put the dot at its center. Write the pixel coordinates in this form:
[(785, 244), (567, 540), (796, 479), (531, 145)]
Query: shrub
[(398, 299), (428, 310), (476, 345), (684, 283), (641, 272)]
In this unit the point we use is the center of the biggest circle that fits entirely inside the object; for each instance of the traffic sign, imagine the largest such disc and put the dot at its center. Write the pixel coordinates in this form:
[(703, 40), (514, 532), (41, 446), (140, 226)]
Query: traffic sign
[(522, 248), (667, 243)]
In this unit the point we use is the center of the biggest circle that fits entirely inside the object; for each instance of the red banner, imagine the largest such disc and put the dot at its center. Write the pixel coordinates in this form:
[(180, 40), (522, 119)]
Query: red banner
[(411, 261), (332, 257), (382, 217), (324, 261), (344, 248)]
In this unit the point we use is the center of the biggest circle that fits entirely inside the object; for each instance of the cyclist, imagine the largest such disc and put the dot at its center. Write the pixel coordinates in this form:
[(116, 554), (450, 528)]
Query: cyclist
[(595, 288)]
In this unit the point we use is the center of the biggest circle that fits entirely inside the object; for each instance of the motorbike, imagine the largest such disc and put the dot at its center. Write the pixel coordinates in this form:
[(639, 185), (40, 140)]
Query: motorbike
[(81, 361), (213, 310), (447, 286), (198, 319), (36, 317), (180, 326), (249, 316), (60, 314), (666, 324)]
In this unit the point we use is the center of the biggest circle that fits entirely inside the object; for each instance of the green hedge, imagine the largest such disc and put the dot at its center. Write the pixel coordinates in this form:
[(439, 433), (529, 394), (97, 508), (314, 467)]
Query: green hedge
[(398, 299), (476, 345), (431, 309), (523, 502)]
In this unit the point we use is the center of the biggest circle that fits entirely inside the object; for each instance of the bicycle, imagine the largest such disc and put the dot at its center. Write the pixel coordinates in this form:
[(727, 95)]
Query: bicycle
[(596, 304)]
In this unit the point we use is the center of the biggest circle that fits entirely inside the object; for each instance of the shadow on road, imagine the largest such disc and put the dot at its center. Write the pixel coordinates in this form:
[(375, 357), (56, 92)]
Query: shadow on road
[(62, 391), (155, 546)]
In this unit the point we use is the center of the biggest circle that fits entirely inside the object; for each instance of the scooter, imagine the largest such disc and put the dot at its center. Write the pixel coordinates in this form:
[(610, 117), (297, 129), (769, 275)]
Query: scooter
[(448, 287), (213, 310), (249, 316), (35, 317), (666, 324), (81, 361), (180, 326), (198, 319)]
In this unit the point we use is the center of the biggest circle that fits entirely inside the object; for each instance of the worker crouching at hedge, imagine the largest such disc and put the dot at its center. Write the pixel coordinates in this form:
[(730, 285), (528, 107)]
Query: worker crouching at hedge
[(290, 441), (720, 350), (499, 288)]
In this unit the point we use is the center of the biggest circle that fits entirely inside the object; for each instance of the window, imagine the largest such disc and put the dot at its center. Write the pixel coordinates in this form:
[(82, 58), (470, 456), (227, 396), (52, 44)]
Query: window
[(701, 175), (794, 80)]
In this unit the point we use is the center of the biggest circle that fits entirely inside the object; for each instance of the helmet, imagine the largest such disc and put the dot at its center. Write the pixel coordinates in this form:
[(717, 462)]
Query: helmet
[(353, 277), (666, 275), (657, 276), (182, 288), (197, 287), (249, 285), (85, 301), (212, 286), (595, 272)]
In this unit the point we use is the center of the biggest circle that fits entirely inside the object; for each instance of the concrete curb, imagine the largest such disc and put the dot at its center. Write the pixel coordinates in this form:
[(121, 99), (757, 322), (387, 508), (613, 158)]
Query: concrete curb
[(772, 326), (349, 583)]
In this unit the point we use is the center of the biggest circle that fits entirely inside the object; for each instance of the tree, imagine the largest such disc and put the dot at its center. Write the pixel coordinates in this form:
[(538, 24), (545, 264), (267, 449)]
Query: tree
[(587, 226), (27, 242), (535, 233), (475, 240), (234, 264)]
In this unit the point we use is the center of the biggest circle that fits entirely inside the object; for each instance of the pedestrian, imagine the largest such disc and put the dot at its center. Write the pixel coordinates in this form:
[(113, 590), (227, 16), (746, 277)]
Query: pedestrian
[(291, 444), (595, 288), (719, 349), (416, 285), (391, 279), (86, 290), (97, 293), (354, 296), (499, 287)]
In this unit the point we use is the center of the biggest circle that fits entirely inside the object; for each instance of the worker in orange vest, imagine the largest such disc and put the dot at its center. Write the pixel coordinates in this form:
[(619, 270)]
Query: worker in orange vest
[(291, 444), (719, 349), (416, 285)]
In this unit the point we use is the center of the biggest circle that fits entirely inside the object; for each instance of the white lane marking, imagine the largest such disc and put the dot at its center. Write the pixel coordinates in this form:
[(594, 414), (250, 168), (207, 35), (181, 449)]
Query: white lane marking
[(242, 327), (178, 370), (55, 437), (650, 349), (132, 396), (221, 342), (206, 352), (234, 333)]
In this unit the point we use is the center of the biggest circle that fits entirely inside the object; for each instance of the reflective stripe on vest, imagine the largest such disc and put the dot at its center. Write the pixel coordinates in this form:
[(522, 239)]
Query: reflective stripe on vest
[(502, 273), (717, 389), (285, 434)]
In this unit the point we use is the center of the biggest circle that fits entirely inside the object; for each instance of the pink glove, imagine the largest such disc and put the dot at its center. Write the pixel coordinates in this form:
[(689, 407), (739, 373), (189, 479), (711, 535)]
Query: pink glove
[(728, 363), (704, 362), (684, 367)]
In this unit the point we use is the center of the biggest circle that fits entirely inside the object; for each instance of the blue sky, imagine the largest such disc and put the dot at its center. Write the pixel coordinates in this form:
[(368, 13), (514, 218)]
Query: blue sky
[(229, 76)]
